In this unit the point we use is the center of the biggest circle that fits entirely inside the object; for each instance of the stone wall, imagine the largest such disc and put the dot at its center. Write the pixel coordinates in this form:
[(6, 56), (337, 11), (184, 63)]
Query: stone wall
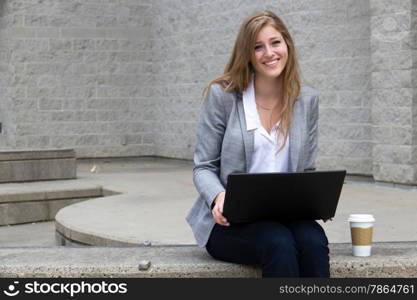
[(394, 86), (124, 77), (76, 71)]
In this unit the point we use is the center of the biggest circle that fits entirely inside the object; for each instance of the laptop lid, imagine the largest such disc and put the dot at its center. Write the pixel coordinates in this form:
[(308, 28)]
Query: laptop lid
[(282, 196)]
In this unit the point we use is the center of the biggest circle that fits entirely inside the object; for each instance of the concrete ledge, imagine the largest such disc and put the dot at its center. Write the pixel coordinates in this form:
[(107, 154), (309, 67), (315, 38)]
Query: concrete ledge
[(388, 260), (23, 166), (41, 201), (36, 154), (58, 190)]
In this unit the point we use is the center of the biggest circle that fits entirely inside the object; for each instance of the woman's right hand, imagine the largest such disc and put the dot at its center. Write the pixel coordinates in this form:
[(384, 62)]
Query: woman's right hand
[(217, 210)]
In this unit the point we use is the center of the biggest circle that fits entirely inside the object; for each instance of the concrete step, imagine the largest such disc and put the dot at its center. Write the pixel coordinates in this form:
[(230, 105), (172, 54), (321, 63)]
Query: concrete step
[(36, 165), (40, 201), (388, 260)]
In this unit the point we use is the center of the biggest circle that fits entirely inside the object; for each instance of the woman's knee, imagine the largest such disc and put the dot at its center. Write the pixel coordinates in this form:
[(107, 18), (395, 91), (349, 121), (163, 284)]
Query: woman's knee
[(309, 234), (279, 240)]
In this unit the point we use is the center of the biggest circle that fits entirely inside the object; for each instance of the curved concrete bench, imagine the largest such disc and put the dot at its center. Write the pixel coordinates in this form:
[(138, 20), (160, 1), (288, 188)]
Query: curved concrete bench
[(151, 206), (388, 260), (123, 220)]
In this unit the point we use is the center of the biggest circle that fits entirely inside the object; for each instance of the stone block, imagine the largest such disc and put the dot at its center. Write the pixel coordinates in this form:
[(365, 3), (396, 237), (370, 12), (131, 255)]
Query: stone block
[(36, 20), (47, 32), (39, 169), (336, 66), (345, 148), (399, 173), (49, 104), (382, 7), (116, 151), (36, 154), (37, 165), (34, 211), (22, 32), (353, 165), (60, 44), (392, 79), (391, 115), (345, 132), (393, 135), (83, 33), (379, 45), (386, 62), (112, 45), (342, 115), (84, 44), (353, 98), (394, 154), (392, 97)]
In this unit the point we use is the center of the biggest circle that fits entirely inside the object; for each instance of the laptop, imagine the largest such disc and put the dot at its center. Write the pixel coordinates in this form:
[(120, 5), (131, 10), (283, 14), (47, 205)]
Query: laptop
[(282, 196)]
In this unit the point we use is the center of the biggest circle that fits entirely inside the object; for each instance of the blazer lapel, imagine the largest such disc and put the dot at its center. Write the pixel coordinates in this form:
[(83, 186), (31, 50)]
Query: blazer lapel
[(294, 140), (248, 136)]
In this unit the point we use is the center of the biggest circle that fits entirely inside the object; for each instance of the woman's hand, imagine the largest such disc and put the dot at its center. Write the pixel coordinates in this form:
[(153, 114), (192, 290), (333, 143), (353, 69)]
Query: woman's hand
[(217, 210)]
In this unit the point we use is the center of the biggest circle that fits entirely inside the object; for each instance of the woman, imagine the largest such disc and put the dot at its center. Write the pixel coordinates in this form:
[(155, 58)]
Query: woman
[(256, 118)]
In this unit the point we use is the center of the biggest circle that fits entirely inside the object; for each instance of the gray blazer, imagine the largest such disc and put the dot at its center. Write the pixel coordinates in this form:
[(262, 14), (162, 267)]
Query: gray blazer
[(225, 146)]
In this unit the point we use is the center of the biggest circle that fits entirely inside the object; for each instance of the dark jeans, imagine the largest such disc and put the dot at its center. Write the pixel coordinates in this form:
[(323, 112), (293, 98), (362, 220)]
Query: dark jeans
[(292, 249)]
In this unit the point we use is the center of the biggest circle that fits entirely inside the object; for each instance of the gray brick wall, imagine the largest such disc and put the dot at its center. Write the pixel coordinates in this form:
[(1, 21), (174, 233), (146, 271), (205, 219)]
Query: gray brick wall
[(75, 75), (124, 78)]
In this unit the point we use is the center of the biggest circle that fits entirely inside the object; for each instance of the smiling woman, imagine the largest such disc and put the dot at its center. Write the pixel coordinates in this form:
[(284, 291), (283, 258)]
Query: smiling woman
[(256, 118)]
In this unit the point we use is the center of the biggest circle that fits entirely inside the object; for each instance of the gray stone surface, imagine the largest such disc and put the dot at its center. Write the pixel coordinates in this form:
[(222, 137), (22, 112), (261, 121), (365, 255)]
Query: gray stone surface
[(36, 154), (124, 78), (35, 165), (48, 190), (34, 211), (34, 202), (39, 169), (388, 260), (392, 100)]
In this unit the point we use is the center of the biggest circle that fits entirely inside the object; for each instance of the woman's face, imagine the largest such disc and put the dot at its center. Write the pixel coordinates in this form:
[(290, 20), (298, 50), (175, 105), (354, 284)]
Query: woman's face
[(271, 53)]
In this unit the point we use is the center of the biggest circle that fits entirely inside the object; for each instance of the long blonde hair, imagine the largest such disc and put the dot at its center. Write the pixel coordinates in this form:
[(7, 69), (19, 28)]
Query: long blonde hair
[(238, 71)]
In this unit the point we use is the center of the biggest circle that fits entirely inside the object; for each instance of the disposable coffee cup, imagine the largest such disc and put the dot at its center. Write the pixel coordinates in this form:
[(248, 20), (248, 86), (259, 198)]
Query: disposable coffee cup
[(361, 228)]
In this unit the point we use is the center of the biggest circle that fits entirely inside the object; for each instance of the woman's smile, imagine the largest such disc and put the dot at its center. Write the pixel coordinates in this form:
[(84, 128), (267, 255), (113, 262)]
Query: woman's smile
[(272, 63)]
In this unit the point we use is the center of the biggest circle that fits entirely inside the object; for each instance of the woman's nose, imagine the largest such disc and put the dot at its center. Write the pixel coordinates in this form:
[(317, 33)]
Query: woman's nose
[(268, 50)]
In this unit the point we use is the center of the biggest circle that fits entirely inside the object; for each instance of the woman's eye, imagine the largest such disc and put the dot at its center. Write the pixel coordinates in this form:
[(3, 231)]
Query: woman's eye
[(277, 42), (258, 47)]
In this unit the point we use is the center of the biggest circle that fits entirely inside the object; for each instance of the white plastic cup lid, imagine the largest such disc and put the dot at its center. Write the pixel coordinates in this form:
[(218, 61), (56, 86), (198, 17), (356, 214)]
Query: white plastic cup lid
[(361, 218)]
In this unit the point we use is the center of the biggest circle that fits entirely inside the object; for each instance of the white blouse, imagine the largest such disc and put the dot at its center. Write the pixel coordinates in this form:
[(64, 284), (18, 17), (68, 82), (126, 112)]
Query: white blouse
[(265, 158)]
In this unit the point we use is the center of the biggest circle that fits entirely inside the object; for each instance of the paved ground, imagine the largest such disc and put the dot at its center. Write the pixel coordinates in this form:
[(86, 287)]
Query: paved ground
[(157, 194)]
